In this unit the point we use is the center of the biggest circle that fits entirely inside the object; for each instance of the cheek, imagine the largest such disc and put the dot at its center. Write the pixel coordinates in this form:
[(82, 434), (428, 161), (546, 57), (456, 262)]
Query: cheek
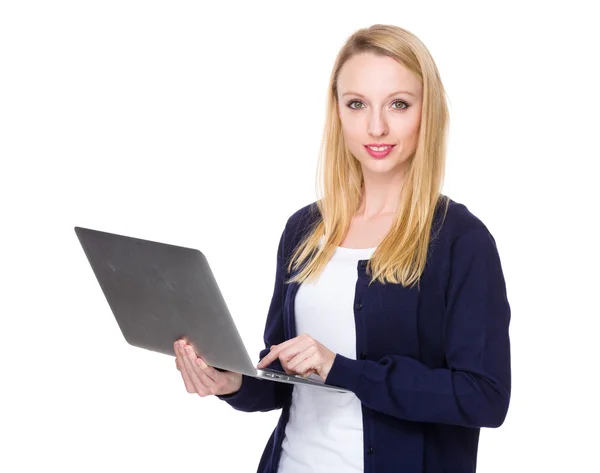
[(406, 130), (414, 133), (414, 125), (408, 134), (353, 131)]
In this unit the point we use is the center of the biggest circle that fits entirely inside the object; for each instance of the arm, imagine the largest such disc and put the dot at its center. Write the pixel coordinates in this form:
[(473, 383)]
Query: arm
[(474, 391), (257, 394)]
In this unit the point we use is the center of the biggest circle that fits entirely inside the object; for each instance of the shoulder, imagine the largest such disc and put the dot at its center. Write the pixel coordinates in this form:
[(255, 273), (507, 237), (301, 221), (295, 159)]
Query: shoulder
[(464, 239), (463, 248), (458, 220), (303, 218)]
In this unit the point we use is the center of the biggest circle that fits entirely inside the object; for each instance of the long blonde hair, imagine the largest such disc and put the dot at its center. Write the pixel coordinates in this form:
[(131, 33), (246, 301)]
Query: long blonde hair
[(402, 255)]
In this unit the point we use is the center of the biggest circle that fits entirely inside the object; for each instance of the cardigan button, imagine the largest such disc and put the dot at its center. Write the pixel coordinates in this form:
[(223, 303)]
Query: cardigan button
[(363, 356), (358, 306), (370, 451), (363, 264)]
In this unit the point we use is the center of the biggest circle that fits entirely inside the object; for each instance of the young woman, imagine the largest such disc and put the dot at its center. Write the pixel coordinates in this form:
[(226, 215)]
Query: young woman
[(384, 286)]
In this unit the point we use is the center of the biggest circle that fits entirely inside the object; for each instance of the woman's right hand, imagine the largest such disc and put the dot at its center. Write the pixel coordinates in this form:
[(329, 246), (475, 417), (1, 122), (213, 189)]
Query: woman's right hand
[(201, 379)]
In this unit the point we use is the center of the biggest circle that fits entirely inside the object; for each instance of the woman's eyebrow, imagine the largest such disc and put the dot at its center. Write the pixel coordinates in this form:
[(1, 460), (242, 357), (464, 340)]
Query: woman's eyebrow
[(393, 93)]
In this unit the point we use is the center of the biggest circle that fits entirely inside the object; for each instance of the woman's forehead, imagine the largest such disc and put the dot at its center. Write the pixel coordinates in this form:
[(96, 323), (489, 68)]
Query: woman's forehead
[(368, 74)]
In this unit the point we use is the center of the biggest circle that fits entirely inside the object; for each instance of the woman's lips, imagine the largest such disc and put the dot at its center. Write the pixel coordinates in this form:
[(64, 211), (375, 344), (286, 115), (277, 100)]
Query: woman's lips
[(379, 154)]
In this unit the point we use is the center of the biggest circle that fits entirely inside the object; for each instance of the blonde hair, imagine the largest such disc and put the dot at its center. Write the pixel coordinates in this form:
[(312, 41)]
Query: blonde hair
[(402, 255)]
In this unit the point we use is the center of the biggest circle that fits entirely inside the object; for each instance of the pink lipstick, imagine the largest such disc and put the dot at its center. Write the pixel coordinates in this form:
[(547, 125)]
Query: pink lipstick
[(380, 151)]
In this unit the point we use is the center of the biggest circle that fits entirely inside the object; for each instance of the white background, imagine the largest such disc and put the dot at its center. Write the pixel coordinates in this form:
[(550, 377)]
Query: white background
[(199, 126)]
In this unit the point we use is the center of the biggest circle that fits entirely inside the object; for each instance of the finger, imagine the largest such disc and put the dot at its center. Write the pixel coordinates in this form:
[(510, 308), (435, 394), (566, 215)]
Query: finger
[(185, 372), (189, 385), (307, 367), (207, 374), (270, 358), (208, 371), (300, 357), (198, 386), (177, 357), (203, 383), (293, 350), (275, 353), (275, 350)]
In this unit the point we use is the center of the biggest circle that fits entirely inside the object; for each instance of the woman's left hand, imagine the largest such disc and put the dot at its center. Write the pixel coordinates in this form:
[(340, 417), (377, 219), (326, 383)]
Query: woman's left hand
[(301, 355)]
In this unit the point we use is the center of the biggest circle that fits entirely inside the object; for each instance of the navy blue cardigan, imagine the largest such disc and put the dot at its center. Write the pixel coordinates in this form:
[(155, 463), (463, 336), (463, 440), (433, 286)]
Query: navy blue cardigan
[(433, 362)]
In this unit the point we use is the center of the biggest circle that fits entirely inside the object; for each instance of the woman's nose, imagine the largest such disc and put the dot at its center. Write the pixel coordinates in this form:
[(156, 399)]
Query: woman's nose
[(377, 126)]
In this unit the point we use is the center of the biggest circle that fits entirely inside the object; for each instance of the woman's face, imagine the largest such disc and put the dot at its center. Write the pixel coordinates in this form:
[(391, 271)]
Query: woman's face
[(379, 102)]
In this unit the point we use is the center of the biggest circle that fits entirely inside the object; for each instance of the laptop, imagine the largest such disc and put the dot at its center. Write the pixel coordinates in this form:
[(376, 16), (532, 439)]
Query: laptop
[(160, 293)]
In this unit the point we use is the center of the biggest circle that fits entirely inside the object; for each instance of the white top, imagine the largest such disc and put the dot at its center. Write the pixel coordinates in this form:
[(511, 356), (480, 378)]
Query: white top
[(325, 432)]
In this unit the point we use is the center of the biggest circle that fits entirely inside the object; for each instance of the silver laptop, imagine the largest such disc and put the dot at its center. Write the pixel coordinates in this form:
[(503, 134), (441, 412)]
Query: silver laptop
[(160, 293)]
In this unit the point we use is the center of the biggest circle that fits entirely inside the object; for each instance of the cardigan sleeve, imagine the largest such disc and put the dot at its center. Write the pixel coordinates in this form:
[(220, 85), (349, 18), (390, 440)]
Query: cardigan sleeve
[(257, 394), (473, 390)]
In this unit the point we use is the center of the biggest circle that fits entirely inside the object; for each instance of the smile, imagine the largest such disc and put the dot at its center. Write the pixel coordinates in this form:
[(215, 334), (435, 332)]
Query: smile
[(379, 151)]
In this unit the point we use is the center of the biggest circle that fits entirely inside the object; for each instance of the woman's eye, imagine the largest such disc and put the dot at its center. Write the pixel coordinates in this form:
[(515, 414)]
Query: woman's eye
[(359, 102)]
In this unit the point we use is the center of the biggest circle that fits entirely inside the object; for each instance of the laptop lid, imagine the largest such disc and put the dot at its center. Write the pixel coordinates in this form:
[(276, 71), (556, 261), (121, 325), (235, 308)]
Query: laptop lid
[(159, 293)]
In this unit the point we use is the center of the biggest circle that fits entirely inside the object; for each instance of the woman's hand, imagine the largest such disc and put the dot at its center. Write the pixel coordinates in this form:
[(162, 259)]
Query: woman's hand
[(199, 377), (301, 355)]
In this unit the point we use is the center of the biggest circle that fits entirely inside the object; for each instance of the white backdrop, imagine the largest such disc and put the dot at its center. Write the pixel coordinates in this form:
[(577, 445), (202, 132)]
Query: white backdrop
[(199, 126)]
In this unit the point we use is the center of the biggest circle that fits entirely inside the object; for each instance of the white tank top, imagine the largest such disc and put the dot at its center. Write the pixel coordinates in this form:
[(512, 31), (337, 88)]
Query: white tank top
[(325, 432)]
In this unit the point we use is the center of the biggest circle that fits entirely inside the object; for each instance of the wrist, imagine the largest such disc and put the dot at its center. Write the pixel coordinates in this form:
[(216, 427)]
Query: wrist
[(236, 385)]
